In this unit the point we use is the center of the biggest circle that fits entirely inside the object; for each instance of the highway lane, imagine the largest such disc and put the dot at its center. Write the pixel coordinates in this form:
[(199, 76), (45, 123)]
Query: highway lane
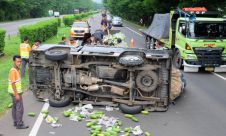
[(12, 27), (200, 111)]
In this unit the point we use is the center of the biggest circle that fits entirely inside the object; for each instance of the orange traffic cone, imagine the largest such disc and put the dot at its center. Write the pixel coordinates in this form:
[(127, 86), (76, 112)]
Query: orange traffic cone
[(132, 43)]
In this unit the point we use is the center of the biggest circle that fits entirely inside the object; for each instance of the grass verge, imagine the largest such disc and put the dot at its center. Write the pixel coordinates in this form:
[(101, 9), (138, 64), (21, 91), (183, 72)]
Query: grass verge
[(12, 48)]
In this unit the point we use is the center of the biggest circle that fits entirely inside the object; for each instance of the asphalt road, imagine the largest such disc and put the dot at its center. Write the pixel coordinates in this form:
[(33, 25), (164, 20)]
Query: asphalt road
[(200, 111), (12, 27)]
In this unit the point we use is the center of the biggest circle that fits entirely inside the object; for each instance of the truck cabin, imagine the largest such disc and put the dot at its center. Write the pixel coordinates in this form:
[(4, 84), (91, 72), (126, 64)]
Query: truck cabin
[(198, 23)]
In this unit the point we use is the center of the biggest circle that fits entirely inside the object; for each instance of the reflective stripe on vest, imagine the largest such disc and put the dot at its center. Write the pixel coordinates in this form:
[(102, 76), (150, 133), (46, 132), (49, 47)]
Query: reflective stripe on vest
[(17, 83), (24, 50)]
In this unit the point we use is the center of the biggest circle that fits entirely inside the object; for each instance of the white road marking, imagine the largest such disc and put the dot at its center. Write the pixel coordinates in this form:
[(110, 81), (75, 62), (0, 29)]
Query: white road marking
[(39, 120), (219, 76), (134, 31)]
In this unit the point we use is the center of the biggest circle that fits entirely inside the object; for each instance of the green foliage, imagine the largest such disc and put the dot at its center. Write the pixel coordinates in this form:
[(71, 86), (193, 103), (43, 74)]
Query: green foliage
[(59, 21), (19, 9), (2, 40), (42, 30), (69, 19), (136, 9)]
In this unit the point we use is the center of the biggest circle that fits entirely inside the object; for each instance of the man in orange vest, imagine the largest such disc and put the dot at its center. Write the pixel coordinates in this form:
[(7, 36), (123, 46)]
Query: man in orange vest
[(15, 90), (25, 49)]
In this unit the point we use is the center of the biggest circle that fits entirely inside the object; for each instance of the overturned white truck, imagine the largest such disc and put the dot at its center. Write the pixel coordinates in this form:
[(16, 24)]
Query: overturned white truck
[(130, 78)]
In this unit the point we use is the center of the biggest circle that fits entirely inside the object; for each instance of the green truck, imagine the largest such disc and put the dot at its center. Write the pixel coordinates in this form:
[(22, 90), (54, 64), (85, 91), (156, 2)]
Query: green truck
[(196, 36)]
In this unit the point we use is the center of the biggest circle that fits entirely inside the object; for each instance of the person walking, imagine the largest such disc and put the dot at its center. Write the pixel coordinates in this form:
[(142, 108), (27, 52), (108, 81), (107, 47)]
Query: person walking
[(15, 90), (25, 49)]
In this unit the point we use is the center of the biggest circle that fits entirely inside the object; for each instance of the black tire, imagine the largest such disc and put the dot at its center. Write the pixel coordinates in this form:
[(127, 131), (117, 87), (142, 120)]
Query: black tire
[(65, 101), (56, 55), (147, 81), (135, 109), (131, 60), (177, 60)]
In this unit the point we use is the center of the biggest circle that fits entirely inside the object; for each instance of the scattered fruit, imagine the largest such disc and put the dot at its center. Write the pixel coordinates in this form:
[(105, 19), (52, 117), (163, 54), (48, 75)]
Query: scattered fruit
[(31, 114), (145, 112), (147, 134)]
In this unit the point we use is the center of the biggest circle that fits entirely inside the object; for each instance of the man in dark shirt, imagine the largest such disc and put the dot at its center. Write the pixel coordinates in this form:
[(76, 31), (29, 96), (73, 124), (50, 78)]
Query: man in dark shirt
[(105, 25)]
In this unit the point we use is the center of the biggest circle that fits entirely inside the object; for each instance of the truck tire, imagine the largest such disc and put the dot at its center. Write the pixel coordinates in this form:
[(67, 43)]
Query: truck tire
[(56, 55), (65, 101), (147, 81), (131, 60), (177, 60), (135, 109)]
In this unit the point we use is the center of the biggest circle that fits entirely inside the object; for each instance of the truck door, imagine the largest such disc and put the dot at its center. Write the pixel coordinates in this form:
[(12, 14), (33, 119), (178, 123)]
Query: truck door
[(181, 36)]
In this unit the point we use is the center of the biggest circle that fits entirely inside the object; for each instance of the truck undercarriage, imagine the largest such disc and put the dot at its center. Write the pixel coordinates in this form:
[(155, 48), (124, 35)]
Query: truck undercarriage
[(130, 78)]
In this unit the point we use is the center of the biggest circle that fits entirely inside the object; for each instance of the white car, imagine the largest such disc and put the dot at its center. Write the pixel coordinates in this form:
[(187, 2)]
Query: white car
[(56, 14), (117, 21), (79, 29)]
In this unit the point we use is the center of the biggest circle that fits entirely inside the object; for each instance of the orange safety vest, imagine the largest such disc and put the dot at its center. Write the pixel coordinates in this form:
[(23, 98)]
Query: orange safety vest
[(25, 50), (17, 82)]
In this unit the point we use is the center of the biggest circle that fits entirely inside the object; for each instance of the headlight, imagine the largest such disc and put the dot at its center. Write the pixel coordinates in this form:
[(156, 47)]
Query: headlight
[(191, 56)]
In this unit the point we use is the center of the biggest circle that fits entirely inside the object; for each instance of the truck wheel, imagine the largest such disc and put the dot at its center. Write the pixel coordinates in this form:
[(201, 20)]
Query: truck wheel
[(177, 60), (56, 55), (131, 60), (130, 109), (65, 101), (147, 81)]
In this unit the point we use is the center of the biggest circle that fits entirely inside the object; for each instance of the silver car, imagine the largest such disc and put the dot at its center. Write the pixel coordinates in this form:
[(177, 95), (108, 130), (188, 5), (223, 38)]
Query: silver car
[(117, 21)]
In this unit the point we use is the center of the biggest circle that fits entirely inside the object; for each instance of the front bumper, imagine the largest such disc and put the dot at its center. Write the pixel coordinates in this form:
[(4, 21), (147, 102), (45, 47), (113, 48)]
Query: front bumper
[(78, 35), (195, 68), (117, 24)]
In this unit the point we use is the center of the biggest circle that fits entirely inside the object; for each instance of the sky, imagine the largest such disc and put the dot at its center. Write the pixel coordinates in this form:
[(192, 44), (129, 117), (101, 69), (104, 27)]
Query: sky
[(98, 1)]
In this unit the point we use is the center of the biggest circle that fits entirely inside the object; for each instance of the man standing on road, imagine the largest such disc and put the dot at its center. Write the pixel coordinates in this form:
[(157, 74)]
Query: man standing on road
[(36, 45), (15, 90), (25, 49), (105, 25)]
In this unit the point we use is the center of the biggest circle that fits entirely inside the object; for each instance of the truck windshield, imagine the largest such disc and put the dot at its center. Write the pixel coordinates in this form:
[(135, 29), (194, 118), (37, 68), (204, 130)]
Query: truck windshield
[(207, 30)]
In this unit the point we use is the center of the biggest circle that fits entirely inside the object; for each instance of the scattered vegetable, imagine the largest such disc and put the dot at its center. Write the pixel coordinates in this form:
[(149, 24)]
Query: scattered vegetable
[(31, 114)]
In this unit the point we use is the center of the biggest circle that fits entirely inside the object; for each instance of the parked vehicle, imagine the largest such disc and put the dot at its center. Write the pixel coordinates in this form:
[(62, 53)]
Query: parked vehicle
[(79, 29), (56, 14), (130, 78), (196, 36), (117, 21)]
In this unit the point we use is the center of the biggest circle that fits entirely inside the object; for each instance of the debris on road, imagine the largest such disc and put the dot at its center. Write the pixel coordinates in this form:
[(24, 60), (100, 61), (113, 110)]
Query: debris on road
[(31, 114), (145, 112), (137, 131), (132, 117), (52, 133), (53, 121), (45, 112), (98, 124), (109, 108), (147, 134)]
